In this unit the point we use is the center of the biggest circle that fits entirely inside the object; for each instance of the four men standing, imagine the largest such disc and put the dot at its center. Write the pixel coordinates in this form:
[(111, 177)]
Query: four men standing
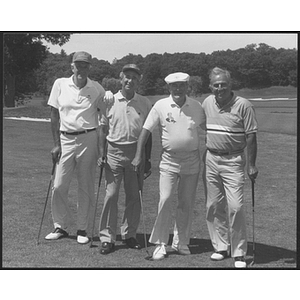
[(127, 122)]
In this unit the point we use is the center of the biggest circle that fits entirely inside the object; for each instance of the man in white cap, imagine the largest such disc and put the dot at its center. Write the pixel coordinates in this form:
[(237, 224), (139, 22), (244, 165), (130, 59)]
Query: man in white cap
[(179, 119), (75, 104), (121, 124)]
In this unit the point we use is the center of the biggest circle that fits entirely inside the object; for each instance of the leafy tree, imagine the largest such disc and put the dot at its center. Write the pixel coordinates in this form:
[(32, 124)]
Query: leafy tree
[(195, 86), (24, 52), (111, 84), (53, 67)]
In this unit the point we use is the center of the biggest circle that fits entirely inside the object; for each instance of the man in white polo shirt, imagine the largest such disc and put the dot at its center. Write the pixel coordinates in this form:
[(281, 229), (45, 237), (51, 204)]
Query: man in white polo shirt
[(121, 124), (75, 103), (179, 119), (231, 127)]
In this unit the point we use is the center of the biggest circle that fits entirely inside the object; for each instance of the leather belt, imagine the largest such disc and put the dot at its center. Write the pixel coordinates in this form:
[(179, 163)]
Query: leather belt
[(220, 153), (78, 132)]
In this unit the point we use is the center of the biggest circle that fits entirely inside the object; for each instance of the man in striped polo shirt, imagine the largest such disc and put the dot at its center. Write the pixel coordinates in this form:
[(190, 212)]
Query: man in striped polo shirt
[(231, 127)]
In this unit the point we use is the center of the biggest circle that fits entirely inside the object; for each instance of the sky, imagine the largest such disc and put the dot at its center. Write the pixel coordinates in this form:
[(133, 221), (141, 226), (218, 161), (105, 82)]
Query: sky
[(108, 46)]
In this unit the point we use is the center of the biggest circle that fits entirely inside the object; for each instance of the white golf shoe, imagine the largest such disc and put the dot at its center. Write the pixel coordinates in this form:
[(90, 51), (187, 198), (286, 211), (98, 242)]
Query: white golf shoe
[(159, 252), (81, 237), (239, 262), (56, 234), (219, 255), (182, 249)]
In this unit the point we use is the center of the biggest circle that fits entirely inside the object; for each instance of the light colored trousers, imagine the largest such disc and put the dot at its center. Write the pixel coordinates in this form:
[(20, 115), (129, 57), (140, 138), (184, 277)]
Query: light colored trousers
[(224, 178), (118, 167), (79, 152), (186, 185)]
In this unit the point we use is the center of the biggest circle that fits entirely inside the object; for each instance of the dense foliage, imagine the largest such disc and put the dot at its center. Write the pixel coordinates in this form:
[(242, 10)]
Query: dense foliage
[(23, 53), (255, 66)]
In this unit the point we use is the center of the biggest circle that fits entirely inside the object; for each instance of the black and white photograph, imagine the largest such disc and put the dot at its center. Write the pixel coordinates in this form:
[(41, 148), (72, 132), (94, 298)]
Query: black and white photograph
[(149, 151)]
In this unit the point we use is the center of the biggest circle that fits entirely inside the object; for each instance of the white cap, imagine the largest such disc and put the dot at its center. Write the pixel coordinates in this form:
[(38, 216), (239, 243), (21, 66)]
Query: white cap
[(175, 77)]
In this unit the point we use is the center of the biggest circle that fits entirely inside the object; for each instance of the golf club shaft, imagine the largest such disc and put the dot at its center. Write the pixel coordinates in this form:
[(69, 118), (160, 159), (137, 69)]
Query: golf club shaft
[(96, 204), (142, 209), (253, 220), (49, 188)]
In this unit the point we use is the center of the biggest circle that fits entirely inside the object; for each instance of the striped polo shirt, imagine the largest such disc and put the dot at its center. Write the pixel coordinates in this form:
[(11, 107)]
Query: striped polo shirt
[(228, 126)]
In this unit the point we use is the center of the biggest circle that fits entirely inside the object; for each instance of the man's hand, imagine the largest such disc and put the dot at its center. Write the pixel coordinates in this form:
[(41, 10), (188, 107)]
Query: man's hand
[(136, 162), (252, 173), (101, 162), (109, 97), (56, 153)]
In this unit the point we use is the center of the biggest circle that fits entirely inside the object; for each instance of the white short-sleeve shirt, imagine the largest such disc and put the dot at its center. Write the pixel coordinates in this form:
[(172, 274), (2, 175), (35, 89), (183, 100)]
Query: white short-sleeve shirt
[(78, 108), (179, 126)]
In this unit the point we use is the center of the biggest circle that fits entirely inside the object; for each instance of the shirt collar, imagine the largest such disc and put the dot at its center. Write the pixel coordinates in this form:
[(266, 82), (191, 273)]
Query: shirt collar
[(120, 96), (88, 83), (227, 104), (186, 103)]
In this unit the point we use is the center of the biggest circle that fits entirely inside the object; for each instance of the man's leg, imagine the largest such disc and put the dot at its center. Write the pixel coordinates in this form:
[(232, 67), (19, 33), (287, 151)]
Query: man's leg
[(109, 216), (187, 186), (87, 154), (216, 215), (234, 179), (59, 203), (160, 231)]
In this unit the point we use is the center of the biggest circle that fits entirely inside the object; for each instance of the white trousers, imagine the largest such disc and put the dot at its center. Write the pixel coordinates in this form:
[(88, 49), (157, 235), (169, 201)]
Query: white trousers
[(80, 153), (186, 187), (224, 179)]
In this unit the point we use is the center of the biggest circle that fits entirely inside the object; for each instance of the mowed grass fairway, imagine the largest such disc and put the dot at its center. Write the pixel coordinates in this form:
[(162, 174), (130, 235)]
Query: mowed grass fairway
[(26, 174)]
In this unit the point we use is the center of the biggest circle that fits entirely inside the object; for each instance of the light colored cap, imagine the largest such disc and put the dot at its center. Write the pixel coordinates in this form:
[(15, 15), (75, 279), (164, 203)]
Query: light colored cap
[(175, 77), (82, 56)]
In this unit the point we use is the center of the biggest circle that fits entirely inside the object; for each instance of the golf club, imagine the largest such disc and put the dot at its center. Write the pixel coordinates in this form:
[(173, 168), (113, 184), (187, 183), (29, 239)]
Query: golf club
[(143, 216), (96, 204), (253, 222), (49, 187)]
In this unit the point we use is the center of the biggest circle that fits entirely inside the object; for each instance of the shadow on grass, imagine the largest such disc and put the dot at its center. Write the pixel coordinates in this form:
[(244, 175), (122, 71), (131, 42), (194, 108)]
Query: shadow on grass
[(265, 254)]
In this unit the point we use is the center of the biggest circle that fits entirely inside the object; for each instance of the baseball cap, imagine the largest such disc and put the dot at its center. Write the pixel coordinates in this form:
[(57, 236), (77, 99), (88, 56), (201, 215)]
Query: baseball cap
[(175, 77), (82, 56), (132, 67)]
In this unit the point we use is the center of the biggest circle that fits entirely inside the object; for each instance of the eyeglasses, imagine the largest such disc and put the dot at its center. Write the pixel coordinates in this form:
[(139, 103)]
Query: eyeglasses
[(220, 85)]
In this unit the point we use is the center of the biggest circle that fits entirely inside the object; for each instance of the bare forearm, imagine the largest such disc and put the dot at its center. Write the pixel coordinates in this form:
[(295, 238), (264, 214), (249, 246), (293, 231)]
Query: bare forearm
[(252, 149), (55, 126), (102, 140)]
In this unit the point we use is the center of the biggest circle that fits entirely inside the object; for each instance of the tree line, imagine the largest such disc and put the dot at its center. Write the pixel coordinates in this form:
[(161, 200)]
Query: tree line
[(255, 66)]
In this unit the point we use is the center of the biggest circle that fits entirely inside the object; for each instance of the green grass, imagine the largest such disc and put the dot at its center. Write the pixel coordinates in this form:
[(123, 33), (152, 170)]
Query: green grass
[(26, 175)]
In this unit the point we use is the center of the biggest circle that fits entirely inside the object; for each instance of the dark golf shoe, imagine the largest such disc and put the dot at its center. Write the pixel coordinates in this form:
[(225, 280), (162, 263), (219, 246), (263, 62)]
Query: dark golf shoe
[(132, 243), (107, 247)]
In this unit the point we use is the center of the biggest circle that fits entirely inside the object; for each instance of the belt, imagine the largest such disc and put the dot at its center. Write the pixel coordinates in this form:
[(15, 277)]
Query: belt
[(78, 132), (215, 152)]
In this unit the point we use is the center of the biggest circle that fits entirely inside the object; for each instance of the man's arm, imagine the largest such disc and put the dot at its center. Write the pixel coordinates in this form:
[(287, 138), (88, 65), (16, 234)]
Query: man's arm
[(55, 124), (148, 148), (252, 152), (102, 145), (144, 135)]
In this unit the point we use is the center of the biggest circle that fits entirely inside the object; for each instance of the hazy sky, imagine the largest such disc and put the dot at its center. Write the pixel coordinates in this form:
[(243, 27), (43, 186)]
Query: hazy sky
[(108, 46)]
